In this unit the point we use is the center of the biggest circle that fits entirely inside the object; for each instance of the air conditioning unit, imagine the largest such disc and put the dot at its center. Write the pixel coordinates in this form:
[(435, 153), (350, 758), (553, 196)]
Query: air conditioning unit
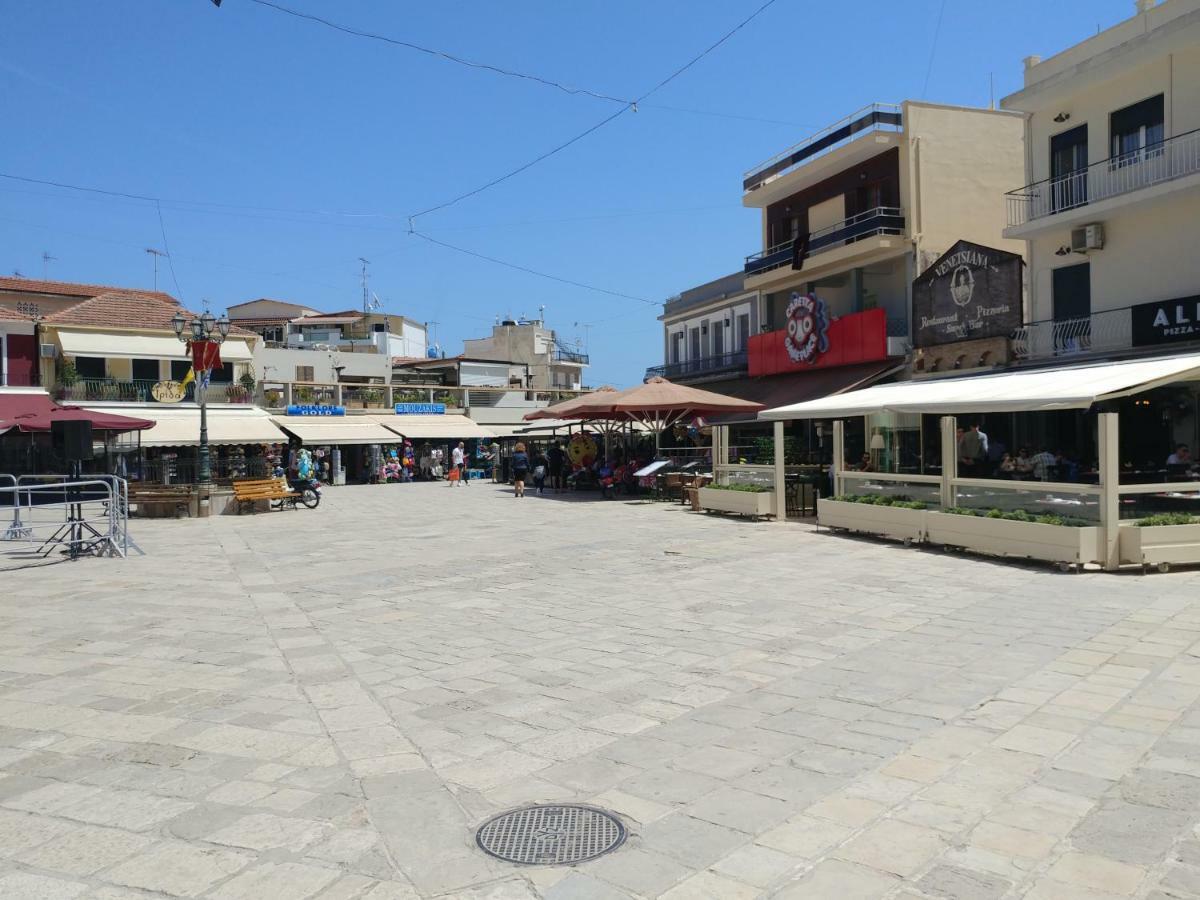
[(1089, 237), (49, 351)]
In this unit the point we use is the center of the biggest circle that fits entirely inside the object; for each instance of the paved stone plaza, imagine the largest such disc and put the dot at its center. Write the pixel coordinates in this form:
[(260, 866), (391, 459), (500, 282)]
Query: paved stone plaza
[(328, 703)]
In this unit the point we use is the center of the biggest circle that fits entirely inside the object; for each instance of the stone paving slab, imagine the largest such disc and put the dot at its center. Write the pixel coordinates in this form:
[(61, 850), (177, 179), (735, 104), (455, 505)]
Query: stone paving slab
[(325, 704)]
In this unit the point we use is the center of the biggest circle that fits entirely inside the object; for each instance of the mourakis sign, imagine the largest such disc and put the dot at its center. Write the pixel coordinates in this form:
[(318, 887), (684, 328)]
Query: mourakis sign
[(970, 292), (1166, 321)]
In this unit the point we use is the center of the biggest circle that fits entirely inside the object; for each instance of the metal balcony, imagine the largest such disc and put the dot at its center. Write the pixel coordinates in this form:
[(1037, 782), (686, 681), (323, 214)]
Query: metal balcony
[(876, 117), (705, 365), (570, 356), (871, 222), (1101, 332), (1173, 158)]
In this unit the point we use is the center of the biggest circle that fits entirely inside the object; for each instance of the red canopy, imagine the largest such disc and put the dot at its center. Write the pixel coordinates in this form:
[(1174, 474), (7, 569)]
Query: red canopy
[(35, 412)]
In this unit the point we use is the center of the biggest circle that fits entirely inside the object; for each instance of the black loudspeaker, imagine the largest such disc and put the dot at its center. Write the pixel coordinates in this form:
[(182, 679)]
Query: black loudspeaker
[(72, 438)]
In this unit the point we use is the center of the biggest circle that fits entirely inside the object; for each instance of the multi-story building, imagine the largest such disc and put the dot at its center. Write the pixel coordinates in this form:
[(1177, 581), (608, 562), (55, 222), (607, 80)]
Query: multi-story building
[(854, 213), (552, 363), (707, 329), (850, 217), (304, 345), (1112, 193)]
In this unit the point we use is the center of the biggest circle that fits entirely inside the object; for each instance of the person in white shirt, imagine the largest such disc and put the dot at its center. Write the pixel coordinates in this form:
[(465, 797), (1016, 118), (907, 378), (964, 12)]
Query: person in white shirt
[(1181, 457), (458, 458)]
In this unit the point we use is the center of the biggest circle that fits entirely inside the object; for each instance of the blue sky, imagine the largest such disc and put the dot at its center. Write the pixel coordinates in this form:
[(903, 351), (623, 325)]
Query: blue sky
[(247, 107)]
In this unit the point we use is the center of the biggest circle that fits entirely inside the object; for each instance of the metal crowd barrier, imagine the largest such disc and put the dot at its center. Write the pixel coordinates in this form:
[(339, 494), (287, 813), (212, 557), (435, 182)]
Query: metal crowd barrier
[(78, 516)]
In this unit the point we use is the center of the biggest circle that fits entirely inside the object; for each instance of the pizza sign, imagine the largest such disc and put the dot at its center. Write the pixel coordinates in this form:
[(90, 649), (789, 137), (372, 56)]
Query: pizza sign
[(807, 334)]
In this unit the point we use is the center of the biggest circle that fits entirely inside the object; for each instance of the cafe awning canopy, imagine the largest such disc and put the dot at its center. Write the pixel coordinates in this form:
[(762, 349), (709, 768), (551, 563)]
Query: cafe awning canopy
[(434, 427), (329, 431), (121, 345), (179, 426), (31, 412), (1033, 390)]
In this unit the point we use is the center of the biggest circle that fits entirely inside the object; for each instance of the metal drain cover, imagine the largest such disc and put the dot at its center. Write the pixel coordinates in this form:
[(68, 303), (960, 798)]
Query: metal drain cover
[(551, 835)]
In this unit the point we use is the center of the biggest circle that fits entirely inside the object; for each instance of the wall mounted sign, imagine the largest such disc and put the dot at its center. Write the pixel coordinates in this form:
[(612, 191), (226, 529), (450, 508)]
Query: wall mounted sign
[(806, 336), (851, 339), (420, 409), (1166, 321), (168, 391), (316, 410), (971, 291)]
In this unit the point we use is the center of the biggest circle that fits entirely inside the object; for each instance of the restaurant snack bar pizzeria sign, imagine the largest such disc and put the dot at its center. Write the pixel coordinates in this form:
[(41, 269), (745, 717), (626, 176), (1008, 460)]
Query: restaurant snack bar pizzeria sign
[(971, 291)]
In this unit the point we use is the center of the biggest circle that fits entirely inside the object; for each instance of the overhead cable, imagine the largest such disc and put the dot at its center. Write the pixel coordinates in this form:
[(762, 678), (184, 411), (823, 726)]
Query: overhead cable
[(441, 54), (528, 271), (632, 106)]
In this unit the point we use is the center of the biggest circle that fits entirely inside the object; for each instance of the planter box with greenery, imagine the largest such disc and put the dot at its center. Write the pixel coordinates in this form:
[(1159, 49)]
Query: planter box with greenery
[(1160, 540), (893, 517), (1018, 534), (746, 499)]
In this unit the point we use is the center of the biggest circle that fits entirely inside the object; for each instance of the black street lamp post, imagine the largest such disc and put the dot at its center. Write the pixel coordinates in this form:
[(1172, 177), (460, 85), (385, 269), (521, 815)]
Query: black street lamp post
[(204, 329)]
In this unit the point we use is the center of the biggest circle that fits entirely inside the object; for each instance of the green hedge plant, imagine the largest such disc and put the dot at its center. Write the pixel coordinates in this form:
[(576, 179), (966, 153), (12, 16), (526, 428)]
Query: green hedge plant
[(1166, 519)]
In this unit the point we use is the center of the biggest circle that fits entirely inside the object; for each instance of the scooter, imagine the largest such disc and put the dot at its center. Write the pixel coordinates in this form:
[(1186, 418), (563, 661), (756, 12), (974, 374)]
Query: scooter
[(309, 490)]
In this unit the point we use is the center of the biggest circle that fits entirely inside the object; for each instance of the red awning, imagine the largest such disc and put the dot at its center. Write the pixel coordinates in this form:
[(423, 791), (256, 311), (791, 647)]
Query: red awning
[(35, 412)]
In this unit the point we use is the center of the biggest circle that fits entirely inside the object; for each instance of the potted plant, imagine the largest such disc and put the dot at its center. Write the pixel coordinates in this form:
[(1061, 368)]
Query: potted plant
[(1017, 533), (1160, 540), (898, 517), (744, 499)]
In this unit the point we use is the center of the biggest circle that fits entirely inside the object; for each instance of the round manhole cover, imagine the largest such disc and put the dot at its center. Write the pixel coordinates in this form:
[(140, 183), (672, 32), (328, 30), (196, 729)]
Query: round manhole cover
[(551, 835)]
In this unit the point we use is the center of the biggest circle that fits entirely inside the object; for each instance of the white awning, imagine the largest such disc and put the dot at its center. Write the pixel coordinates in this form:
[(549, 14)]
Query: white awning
[(317, 431), (140, 346), (1069, 387), (180, 427), (433, 428)]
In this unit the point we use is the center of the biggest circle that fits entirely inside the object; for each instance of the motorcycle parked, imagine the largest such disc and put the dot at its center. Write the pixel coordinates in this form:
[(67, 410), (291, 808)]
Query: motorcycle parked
[(308, 489)]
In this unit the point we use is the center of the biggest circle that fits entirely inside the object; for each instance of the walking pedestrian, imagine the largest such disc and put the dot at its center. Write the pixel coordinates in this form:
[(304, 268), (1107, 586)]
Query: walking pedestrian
[(540, 464), (520, 462), (556, 459), (458, 459)]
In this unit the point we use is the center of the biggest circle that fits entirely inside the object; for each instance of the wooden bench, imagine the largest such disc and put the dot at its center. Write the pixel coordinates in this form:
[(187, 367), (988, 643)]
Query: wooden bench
[(169, 496), (247, 491)]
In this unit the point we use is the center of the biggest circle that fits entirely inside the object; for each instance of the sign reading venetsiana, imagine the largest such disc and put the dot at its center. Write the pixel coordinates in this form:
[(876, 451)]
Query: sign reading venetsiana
[(420, 409), (168, 391), (316, 410), (1166, 321), (970, 292)]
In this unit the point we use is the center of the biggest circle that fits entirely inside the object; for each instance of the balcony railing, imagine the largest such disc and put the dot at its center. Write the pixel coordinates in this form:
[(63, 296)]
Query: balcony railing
[(876, 117), (705, 365), (1173, 158), (880, 220), (141, 391), (1100, 332), (570, 356)]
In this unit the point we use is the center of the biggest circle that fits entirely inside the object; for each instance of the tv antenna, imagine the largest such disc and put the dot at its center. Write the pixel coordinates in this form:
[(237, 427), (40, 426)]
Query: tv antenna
[(366, 298), (46, 260), (587, 327), (156, 254)]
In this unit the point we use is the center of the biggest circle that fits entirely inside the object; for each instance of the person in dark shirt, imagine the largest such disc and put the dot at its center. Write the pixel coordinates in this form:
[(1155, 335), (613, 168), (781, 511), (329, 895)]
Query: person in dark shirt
[(520, 464), (556, 460)]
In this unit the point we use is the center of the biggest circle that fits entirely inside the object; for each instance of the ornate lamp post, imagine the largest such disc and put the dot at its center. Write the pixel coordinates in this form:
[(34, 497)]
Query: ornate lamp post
[(198, 335)]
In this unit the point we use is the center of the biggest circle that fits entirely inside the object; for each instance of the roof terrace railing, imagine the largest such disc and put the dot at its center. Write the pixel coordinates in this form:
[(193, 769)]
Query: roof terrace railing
[(874, 117)]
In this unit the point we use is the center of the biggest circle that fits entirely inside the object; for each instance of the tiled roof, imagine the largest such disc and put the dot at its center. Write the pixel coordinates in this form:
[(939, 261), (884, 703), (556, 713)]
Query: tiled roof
[(71, 289), (124, 309), (11, 315)]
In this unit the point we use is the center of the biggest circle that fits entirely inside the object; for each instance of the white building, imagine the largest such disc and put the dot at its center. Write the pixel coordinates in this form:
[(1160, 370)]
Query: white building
[(706, 330), (552, 364), (1112, 138), (303, 345)]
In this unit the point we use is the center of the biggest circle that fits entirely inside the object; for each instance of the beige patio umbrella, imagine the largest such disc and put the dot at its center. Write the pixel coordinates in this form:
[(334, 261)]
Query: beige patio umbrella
[(659, 404)]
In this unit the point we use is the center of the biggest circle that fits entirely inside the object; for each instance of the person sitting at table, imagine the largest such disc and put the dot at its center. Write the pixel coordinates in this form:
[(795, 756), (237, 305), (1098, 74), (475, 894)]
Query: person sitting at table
[(1023, 464), (1008, 466), (1044, 465), (1181, 457), (865, 465)]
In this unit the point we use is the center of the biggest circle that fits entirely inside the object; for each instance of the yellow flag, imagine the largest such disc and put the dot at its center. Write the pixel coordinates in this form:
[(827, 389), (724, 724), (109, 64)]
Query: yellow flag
[(189, 377)]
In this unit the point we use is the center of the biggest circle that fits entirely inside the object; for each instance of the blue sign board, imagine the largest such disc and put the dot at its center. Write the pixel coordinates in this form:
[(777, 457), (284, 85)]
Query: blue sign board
[(314, 410), (420, 409)]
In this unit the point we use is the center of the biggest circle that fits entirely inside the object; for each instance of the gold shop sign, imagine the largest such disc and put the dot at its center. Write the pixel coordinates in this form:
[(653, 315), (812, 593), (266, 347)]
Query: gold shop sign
[(168, 391)]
